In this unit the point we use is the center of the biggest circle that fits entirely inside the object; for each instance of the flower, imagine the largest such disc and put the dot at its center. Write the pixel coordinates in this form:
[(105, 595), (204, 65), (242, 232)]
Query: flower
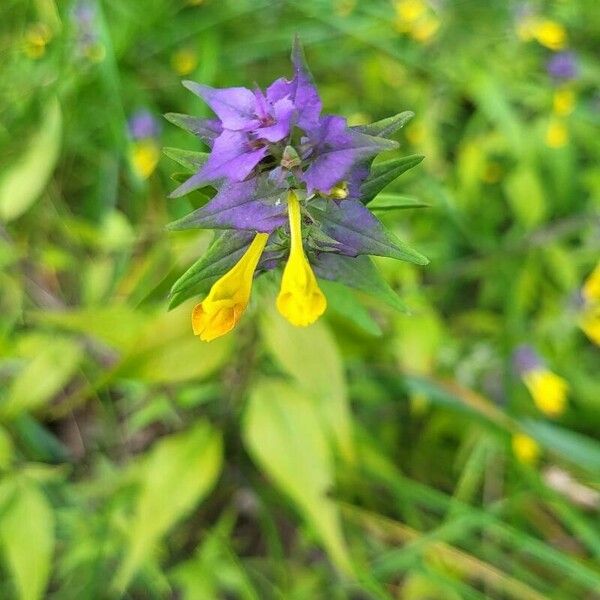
[(297, 182), (548, 390), (563, 102), (557, 134), (144, 151), (589, 313), (563, 65), (525, 448), (88, 44), (184, 61), (300, 300), (220, 311), (416, 18), (35, 39), (550, 34)]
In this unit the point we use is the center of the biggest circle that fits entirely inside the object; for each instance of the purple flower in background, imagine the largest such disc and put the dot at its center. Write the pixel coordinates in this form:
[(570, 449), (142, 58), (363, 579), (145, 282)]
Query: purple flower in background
[(298, 181), (88, 43), (563, 65), (142, 124), (526, 359)]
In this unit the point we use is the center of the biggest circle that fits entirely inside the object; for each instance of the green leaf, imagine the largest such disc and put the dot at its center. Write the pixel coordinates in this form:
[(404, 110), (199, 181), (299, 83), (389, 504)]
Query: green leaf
[(23, 182), (173, 478), (350, 220), (385, 202), (224, 251), (320, 373), (341, 300), (42, 377), (27, 537), (526, 196), (359, 273), (579, 449), (382, 174), (188, 159), (283, 433), (388, 126)]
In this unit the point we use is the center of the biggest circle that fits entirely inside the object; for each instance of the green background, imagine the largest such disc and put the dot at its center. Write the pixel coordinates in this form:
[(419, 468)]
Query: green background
[(368, 456)]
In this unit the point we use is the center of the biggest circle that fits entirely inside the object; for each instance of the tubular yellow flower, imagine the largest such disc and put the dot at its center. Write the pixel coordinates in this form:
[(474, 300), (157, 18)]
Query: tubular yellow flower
[(300, 300), (220, 311), (549, 391), (525, 448)]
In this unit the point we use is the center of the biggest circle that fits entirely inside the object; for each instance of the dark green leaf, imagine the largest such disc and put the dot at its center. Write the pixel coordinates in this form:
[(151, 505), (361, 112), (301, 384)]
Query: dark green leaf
[(384, 173), (388, 126), (187, 158)]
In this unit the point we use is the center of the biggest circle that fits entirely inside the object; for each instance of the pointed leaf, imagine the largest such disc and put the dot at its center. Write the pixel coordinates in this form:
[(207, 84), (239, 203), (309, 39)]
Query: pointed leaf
[(283, 434), (192, 161), (384, 173), (358, 231), (385, 202), (23, 181), (359, 273), (388, 126), (206, 129), (255, 205), (27, 538), (177, 473), (319, 373)]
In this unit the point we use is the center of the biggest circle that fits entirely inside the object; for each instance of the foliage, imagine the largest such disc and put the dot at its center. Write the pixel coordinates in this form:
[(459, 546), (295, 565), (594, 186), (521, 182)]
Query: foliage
[(391, 450)]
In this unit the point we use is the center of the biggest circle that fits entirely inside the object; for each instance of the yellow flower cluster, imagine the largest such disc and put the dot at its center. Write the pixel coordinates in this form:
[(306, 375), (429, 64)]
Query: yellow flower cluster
[(590, 315), (416, 19), (563, 104), (549, 391), (300, 300), (546, 32)]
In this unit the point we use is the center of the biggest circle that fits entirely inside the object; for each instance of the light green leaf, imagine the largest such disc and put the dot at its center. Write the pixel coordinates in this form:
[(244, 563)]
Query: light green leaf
[(27, 537), (343, 301), (283, 433), (385, 202), (23, 182), (311, 356), (189, 159), (177, 473), (42, 377), (382, 174), (526, 196)]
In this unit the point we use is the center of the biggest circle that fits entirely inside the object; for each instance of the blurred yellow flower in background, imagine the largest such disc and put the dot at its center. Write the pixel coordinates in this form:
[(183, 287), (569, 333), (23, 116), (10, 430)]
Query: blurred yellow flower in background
[(184, 61), (589, 319), (35, 40), (525, 448), (548, 390), (144, 157), (563, 102), (557, 134), (415, 18), (550, 34)]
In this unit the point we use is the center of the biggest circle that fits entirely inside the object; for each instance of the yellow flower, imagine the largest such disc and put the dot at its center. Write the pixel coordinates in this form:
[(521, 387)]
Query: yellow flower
[(557, 134), (300, 300), (590, 323), (563, 102), (144, 157), (591, 287), (221, 310), (184, 61), (35, 39), (425, 29), (525, 448), (549, 391), (550, 34), (409, 11)]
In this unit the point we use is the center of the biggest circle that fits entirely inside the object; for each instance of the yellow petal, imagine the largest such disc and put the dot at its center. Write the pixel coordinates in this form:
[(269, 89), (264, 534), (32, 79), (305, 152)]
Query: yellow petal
[(557, 134), (550, 34), (549, 391), (563, 102), (144, 156), (300, 300), (591, 287), (221, 310), (590, 323), (525, 448)]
